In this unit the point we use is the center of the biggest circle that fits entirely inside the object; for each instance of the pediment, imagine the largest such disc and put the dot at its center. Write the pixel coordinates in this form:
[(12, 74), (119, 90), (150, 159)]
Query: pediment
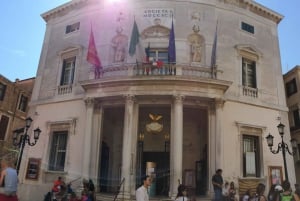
[(249, 50), (156, 31), (70, 50)]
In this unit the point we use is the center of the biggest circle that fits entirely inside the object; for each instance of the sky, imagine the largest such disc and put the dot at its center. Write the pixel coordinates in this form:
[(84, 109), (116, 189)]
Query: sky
[(22, 34)]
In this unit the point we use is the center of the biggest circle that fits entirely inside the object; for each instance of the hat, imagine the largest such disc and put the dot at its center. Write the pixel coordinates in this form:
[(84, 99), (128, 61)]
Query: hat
[(278, 188)]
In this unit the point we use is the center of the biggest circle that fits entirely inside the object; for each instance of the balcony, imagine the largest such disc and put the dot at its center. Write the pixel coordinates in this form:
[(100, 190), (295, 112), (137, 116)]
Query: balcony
[(144, 79), (148, 69)]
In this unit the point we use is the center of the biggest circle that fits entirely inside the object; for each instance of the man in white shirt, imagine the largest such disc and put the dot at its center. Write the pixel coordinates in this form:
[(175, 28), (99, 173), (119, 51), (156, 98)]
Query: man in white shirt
[(142, 192)]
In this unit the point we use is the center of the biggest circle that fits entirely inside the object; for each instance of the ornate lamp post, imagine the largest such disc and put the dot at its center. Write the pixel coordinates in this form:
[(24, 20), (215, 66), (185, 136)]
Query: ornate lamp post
[(20, 138), (282, 146)]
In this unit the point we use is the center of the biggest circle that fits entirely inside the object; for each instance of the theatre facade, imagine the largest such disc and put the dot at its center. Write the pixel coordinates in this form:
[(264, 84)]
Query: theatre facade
[(175, 102)]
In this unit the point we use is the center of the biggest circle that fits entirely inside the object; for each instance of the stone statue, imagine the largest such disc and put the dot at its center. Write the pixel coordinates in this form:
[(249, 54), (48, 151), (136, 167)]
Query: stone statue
[(196, 42), (119, 43)]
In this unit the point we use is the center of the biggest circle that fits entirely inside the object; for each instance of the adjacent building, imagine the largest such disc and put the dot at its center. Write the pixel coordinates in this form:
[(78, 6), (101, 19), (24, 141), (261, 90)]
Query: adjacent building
[(14, 99), (174, 89), (292, 86)]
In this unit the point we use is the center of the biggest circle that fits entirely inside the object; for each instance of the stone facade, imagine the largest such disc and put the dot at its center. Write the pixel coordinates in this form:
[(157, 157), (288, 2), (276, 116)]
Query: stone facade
[(188, 118)]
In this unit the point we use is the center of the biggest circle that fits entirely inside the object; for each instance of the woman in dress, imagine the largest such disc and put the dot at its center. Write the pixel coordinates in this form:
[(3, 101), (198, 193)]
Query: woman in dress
[(182, 193)]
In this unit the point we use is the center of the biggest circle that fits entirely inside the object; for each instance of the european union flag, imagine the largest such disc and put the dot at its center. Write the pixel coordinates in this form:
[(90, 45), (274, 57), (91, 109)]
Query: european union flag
[(172, 48)]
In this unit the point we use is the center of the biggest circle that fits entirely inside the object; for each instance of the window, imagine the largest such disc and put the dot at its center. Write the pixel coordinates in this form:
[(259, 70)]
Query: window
[(3, 126), (159, 55), (296, 118), (23, 103), (68, 69), (58, 151), (251, 162), (247, 27), (2, 91), (249, 73), (291, 87), (72, 27)]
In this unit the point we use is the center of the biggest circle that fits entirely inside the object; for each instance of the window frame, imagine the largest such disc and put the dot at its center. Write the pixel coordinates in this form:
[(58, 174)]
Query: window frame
[(71, 28), (71, 73), (247, 64), (55, 151), (3, 135), (254, 131), (2, 91), (247, 27), (257, 154), (296, 118), (291, 87), (23, 103), (157, 56)]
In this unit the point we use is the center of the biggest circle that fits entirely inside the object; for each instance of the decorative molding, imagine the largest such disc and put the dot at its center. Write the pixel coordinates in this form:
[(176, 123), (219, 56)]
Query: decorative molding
[(250, 128), (178, 98), (249, 51), (156, 31), (69, 124), (89, 102)]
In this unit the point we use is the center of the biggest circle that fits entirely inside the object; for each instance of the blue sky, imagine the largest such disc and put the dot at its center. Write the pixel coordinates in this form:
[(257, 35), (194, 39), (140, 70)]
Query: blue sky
[(22, 33)]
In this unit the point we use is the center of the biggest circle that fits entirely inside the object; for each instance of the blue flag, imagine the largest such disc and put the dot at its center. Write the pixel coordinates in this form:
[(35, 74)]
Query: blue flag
[(214, 49), (172, 48), (134, 39)]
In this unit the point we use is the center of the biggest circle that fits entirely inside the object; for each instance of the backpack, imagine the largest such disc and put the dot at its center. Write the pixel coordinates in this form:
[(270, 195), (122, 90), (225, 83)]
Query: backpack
[(288, 197)]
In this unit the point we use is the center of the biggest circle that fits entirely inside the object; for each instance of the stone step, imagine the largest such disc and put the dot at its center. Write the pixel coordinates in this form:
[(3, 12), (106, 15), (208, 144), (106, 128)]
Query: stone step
[(110, 197)]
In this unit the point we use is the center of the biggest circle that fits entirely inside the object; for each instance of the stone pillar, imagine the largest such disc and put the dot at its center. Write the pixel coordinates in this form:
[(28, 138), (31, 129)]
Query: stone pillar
[(86, 162), (219, 137), (96, 144), (127, 156), (176, 145)]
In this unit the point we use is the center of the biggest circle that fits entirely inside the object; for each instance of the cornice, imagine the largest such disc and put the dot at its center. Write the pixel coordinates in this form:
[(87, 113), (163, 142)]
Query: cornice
[(263, 11), (63, 8), (250, 4)]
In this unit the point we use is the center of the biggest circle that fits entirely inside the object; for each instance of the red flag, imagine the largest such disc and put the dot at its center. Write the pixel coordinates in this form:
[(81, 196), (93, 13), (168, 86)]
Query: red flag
[(92, 55)]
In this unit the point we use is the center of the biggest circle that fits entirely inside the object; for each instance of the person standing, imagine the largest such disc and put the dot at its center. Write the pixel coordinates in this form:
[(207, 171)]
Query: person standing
[(217, 181), (142, 192), (8, 178), (182, 193)]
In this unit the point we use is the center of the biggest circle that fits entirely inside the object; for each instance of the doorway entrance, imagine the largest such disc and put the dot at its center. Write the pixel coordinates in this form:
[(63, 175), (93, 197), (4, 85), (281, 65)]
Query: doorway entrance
[(153, 156)]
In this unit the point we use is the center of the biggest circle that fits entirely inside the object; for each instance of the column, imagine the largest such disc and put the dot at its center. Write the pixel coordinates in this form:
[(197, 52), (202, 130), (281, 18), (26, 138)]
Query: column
[(212, 148), (127, 156), (89, 102), (176, 145), (96, 143), (219, 137)]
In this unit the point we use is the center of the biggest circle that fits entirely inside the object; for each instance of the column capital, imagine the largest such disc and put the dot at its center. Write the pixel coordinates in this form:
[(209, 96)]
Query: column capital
[(219, 103), (130, 98), (89, 102), (178, 98)]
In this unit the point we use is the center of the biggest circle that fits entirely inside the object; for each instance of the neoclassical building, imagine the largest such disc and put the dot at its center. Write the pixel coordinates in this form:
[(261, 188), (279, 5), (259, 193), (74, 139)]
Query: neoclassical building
[(177, 120)]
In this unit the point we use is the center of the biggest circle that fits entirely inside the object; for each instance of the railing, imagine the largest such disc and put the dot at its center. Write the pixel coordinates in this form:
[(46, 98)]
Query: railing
[(64, 89), (119, 188), (248, 91), (148, 69)]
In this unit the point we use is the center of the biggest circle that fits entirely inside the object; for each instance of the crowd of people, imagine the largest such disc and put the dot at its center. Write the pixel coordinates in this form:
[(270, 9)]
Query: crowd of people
[(62, 191), (227, 192)]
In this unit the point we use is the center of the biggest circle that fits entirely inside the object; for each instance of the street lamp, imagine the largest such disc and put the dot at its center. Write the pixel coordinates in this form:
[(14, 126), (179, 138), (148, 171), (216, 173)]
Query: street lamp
[(20, 138), (282, 146)]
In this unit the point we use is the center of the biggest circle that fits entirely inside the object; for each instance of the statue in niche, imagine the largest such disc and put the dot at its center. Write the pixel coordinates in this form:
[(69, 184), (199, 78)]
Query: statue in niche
[(196, 42), (119, 44)]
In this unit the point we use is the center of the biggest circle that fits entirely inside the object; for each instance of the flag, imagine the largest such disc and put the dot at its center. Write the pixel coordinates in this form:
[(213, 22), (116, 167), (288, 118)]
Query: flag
[(92, 55), (214, 49), (134, 40), (147, 51), (172, 48)]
